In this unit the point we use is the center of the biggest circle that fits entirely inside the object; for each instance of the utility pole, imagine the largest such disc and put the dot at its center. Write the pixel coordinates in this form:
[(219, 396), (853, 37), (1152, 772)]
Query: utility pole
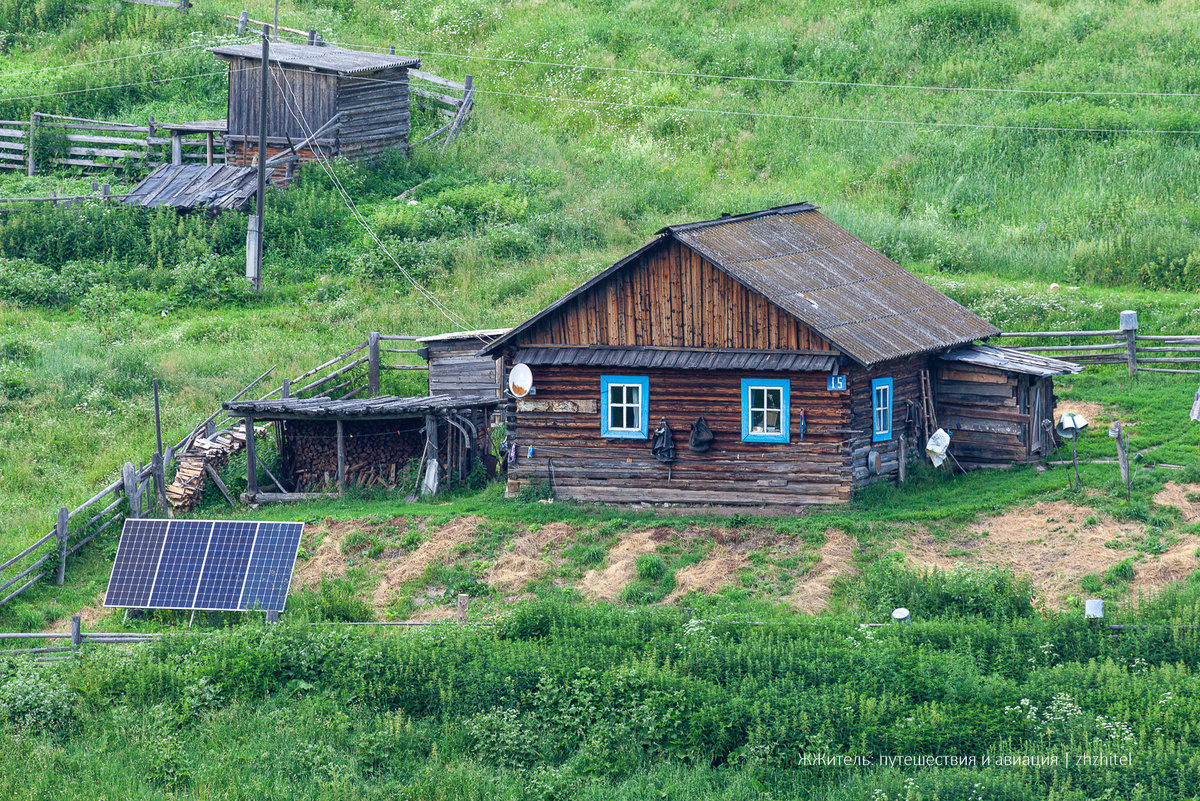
[(254, 229)]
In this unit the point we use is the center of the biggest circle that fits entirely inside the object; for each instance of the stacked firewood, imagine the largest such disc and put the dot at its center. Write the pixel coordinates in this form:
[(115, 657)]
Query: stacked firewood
[(375, 453), (191, 475)]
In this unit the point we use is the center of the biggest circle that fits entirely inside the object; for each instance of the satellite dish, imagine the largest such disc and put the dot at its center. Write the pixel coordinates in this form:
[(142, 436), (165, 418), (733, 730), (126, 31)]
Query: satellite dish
[(520, 380), (1071, 425)]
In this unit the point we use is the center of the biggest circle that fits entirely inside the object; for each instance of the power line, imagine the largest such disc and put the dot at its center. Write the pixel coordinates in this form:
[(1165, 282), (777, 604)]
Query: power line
[(804, 117), (114, 86), (802, 81), (102, 61)]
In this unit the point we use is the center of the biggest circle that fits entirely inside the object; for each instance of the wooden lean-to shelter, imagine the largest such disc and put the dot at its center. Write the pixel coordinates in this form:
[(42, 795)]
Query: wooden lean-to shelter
[(320, 101), (808, 353)]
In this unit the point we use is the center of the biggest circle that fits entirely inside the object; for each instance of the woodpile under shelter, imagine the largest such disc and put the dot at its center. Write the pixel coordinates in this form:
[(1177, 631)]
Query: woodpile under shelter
[(790, 361), (327, 444), (321, 101), (455, 366)]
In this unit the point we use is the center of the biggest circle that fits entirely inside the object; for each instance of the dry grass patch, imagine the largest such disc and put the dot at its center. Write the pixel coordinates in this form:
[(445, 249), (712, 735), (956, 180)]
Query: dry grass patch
[(403, 569), (529, 558)]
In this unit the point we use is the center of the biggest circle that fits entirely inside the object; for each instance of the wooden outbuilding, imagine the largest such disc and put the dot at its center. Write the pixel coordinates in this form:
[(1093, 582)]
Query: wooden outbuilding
[(320, 101), (807, 353), (998, 404), (455, 366)]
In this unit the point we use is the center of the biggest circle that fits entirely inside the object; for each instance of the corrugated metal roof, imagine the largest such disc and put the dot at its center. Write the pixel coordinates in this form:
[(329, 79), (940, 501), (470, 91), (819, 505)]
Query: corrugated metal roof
[(189, 186), (677, 359), (483, 333), (1012, 360), (328, 59), (854, 296), (868, 306), (383, 406)]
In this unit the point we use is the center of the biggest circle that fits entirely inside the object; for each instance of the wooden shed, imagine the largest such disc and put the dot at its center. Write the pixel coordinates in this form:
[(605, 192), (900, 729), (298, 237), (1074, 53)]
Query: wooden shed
[(331, 100), (997, 404), (799, 345), (455, 366)]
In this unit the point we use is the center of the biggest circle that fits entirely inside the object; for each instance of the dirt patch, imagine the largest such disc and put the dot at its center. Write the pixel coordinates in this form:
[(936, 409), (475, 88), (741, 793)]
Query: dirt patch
[(1090, 411), (410, 566), (1176, 495), (1056, 544), (717, 571), (606, 583), (432, 614), (528, 558), (328, 560), (811, 593), (89, 616)]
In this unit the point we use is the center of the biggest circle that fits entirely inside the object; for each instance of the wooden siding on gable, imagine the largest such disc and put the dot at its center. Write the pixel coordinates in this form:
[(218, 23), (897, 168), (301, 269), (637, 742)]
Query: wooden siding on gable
[(673, 297)]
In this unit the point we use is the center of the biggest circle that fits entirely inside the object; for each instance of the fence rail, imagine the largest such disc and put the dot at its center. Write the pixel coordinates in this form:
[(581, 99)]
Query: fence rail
[(1119, 346)]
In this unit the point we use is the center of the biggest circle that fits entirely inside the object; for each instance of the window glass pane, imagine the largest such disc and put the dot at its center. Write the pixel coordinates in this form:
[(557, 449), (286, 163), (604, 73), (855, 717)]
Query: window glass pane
[(631, 417), (756, 421), (773, 421), (631, 394), (756, 398), (614, 417), (616, 393), (773, 398)]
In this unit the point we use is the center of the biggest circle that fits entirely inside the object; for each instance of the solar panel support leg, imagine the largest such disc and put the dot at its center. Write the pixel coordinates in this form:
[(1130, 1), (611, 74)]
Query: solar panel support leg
[(272, 616)]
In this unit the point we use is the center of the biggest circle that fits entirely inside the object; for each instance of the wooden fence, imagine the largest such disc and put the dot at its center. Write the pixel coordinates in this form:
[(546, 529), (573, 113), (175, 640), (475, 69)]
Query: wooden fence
[(77, 636), (456, 106), (47, 140), (1122, 345), (345, 376)]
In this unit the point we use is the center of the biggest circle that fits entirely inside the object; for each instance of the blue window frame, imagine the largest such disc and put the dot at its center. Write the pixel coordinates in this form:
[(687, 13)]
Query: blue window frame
[(766, 410), (624, 406), (881, 409)]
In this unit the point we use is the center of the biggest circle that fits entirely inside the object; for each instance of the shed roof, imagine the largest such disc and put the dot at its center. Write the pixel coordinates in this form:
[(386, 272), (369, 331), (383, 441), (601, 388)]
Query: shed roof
[(483, 333), (385, 406), (326, 59), (866, 305), (189, 186), (1015, 361)]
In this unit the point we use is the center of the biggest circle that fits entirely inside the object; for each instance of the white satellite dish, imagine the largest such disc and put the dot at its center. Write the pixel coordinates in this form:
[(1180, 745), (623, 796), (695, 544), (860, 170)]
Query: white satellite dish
[(520, 380)]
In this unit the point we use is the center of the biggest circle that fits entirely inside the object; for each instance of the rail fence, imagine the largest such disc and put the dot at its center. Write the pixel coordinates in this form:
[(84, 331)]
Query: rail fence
[(142, 489), (1122, 345)]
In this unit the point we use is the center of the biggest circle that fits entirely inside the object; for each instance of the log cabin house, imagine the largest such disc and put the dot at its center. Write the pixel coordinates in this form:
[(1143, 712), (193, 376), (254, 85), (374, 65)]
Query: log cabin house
[(811, 357)]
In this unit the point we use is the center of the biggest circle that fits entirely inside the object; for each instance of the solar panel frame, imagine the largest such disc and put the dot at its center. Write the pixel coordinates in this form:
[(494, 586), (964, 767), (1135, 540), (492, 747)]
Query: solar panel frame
[(206, 565)]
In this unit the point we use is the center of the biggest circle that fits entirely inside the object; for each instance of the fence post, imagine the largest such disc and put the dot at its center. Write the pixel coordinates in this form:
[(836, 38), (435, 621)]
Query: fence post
[(60, 530), (1129, 324), (462, 608), (373, 363), (160, 482), (30, 160), (243, 20), (129, 476), (76, 631), (312, 38)]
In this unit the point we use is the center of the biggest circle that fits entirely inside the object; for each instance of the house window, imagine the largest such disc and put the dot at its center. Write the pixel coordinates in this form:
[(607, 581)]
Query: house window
[(766, 410), (624, 406), (881, 409)]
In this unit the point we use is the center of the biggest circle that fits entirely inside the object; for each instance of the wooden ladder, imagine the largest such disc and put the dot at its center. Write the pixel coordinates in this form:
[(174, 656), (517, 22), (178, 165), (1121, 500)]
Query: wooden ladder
[(928, 411)]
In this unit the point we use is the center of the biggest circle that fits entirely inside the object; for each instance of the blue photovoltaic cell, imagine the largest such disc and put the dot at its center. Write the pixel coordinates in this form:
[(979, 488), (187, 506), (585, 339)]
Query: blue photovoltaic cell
[(204, 564), (271, 565), (181, 563), (136, 563), (225, 568)]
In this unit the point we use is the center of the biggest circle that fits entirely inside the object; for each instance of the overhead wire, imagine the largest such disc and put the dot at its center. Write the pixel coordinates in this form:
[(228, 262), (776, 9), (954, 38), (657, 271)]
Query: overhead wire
[(323, 160), (102, 61), (114, 86)]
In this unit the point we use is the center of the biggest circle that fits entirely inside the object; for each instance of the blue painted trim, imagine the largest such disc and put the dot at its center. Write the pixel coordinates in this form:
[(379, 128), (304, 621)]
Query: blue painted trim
[(644, 382), (785, 434), (881, 434)]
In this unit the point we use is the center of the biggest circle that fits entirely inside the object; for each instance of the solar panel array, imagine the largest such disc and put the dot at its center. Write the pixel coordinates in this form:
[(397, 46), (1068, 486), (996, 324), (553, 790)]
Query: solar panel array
[(212, 565)]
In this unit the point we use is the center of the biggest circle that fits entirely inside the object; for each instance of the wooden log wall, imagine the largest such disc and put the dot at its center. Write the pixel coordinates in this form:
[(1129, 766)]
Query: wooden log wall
[(586, 467), (906, 386), (376, 451), (375, 112), (673, 297), (454, 369), (298, 101), (986, 412)]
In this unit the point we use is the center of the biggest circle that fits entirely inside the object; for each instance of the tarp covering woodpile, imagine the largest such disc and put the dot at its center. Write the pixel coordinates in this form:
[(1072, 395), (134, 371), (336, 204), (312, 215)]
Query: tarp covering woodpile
[(191, 186)]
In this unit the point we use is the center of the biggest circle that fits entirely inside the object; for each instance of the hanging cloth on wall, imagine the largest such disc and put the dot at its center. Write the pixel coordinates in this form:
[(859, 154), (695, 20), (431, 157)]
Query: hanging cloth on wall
[(803, 425), (702, 436), (662, 445)]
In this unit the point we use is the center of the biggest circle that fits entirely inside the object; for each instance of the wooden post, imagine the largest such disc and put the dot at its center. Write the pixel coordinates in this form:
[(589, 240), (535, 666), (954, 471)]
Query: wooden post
[(1129, 324), (160, 483), (254, 231), (176, 147), (431, 447), (216, 478), (391, 50), (462, 608), (157, 418), (373, 364), (251, 461), (341, 453), (129, 477), (76, 631), (243, 20), (286, 392), (60, 531), (312, 38), (30, 160), (208, 148), (104, 192)]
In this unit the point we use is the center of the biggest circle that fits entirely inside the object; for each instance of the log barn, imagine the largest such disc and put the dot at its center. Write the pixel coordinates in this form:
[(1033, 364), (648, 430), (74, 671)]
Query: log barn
[(807, 353), (456, 368), (356, 104)]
